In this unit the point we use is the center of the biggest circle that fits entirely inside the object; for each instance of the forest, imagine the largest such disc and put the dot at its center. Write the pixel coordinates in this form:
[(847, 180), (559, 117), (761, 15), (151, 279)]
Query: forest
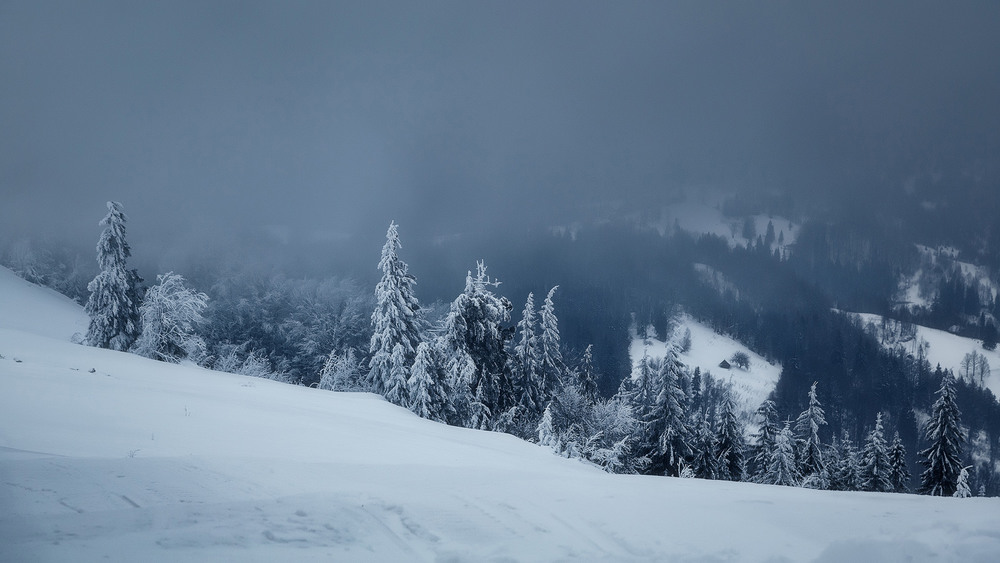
[(843, 414)]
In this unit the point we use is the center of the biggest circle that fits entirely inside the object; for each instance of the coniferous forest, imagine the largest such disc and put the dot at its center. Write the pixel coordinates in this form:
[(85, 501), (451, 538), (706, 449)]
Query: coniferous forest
[(848, 413)]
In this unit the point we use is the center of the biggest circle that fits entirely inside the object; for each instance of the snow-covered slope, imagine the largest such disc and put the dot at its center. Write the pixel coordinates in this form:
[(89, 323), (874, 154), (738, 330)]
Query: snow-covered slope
[(106, 456), (945, 348), (708, 350), (917, 289), (38, 310)]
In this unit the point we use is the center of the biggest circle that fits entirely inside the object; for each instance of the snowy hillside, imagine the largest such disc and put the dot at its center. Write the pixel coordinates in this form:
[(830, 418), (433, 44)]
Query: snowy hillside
[(945, 348), (708, 350), (917, 289), (109, 456)]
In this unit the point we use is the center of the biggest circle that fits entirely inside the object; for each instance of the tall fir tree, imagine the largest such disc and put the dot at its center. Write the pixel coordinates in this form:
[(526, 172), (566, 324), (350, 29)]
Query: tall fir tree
[(846, 474), (474, 341), (396, 391), (875, 464), (551, 367), (115, 298), (763, 445), (667, 435), (781, 468), (705, 462), (899, 473), (730, 444), (942, 458), (427, 387), (587, 374), (811, 464), (527, 363), (395, 319)]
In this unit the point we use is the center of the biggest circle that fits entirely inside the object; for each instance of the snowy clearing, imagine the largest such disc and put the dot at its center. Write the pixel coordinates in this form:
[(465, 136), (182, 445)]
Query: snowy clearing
[(708, 350), (109, 456), (946, 349)]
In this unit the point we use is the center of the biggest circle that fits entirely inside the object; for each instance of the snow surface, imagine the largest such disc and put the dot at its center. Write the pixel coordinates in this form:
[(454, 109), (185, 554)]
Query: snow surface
[(708, 349), (106, 456), (946, 349)]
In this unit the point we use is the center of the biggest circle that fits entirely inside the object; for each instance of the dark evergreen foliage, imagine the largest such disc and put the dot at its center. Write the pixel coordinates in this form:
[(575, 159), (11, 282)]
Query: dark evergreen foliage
[(115, 295)]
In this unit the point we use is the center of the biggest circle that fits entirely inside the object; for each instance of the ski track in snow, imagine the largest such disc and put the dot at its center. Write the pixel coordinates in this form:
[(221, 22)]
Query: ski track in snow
[(145, 461)]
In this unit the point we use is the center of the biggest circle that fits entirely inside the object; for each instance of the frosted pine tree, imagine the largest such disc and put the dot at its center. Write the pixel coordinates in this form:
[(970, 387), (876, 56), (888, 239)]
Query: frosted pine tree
[(962, 484), (667, 436), (476, 357), (730, 445), (846, 475), (552, 367), (396, 391), (588, 377), (763, 444), (705, 464), (527, 362), (395, 319), (428, 386), (875, 464), (811, 464), (114, 300), (899, 473), (943, 430), (546, 432), (781, 469), (170, 316)]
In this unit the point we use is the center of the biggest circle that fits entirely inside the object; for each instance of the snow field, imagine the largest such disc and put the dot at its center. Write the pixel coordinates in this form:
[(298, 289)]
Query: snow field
[(708, 349), (947, 349)]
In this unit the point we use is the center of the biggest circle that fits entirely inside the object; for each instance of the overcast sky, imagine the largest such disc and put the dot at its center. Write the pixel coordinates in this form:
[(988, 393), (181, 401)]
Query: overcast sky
[(324, 120)]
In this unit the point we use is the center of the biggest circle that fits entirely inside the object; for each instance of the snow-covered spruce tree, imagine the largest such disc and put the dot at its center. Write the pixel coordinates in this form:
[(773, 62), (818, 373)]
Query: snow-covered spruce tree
[(546, 432), (781, 469), (899, 473), (962, 484), (396, 391), (763, 444), (730, 445), (473, 342), (395, 319), (875, 464), (428, 385), (811, 464), (527, 363), (114, 300), (705, 463), (942, 459), (551, 367), (587, 374), (846, 474), (171, 313), (667, 437)]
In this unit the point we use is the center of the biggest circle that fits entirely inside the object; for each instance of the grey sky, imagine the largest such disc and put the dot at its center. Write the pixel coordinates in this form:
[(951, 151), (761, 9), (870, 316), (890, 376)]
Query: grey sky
[(323, 120)]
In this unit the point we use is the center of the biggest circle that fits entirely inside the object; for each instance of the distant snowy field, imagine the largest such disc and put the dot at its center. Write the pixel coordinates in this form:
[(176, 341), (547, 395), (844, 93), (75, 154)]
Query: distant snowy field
[(708, 350), (947, 349), (106, 456)]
